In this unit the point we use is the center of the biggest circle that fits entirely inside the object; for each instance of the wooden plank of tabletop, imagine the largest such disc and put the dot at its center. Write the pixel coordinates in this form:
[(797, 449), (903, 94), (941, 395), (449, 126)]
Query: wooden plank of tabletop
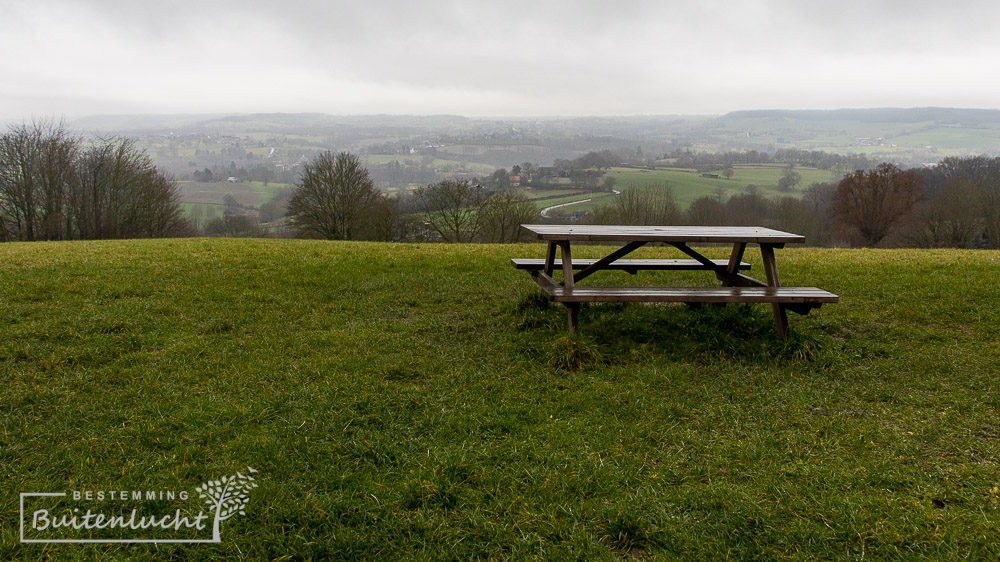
[(693, 234)]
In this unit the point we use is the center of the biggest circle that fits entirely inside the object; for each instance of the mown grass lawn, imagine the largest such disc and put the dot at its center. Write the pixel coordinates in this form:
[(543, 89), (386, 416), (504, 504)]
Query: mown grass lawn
[(419, 402)]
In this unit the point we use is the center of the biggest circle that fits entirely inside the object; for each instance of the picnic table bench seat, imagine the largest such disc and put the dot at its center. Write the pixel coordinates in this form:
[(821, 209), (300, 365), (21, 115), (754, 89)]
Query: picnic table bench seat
[(630, 265), (786, 295), (799, 300)]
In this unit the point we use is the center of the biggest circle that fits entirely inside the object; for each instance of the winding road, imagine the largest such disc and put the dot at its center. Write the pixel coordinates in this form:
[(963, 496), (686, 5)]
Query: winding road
[(545, 211)]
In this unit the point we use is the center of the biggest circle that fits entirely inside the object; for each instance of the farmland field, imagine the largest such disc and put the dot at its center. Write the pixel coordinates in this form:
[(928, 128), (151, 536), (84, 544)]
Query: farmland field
[(689, 185), (214, 192), (217, 209), (548, 194), (267, 191)]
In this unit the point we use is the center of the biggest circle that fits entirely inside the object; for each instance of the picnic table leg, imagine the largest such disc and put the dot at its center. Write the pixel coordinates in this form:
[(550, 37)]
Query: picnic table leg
[(567, 265), (572, 314), (572, 308), (550, 259), (771, 269), (733, 269)]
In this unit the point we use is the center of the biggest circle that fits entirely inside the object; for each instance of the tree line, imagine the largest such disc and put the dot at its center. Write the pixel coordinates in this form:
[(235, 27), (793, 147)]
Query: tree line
[(55, 186), (708, 161), (955, 204), (790, 156), (336, 199)]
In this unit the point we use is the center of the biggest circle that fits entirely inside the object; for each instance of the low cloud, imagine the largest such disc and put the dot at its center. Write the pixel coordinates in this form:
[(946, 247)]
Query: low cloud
[(514, 58)]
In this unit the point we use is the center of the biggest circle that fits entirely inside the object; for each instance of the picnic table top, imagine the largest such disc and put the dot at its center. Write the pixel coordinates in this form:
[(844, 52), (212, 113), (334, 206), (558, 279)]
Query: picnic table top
[(701, 234)]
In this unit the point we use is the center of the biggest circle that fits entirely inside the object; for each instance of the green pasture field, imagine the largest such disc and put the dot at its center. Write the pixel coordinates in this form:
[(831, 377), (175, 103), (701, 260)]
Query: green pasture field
[(964, 138), (307, 140), (768, 176), (215, 192), (596, 195), (598, 200), (900, 153), (267, 192), (688, 185), (420, 402), (550, 194), (191, 149), (928, 141), (186, 207)]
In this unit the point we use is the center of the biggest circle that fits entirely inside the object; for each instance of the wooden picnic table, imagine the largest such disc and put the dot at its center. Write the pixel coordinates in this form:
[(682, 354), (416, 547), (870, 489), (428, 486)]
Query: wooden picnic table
[(736, 286)]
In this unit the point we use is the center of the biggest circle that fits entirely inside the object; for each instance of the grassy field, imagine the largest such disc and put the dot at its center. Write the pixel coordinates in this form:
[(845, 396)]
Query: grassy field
[(268, 191), (187, 207), (551, 194), (688, 185), (249, 194), (419, 402), (595, 197), (933, 141)]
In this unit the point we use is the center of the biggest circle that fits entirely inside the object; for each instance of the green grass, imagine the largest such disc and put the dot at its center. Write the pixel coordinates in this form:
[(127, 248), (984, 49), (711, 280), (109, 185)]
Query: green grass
[(551, 194), (768, 176), (268, 191), (420, 402), (964, 138), (688, 185), (186, 208), (596, 198)]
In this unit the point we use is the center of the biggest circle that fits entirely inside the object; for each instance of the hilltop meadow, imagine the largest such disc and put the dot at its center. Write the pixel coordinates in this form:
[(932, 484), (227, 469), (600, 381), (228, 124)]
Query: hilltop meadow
[(419, 401)]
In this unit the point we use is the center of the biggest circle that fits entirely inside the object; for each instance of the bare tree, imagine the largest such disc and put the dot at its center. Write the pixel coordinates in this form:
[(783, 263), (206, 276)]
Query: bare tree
[(451, 209), (56, 176), (866, 206), (792, 214), (749, 208), (121, 194), (335, 199), (18, 194), (705, 211), (50, 189), (36, 171), (982, 172), (989, 202), (234, 226), (649, 205), (818, 196), (951, 218), (502, 214), (386, 221)]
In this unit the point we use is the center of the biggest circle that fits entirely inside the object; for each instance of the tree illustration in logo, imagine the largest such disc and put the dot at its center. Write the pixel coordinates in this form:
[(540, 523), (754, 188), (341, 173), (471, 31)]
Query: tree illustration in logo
[(227, 496)]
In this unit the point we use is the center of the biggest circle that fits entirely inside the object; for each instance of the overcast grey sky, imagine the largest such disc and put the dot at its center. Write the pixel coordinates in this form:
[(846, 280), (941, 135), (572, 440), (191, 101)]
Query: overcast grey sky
[(70, 58)]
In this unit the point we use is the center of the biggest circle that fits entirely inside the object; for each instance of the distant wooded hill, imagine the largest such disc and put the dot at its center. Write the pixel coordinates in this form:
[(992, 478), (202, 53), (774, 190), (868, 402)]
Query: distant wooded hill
[(969, 117), (904, 136)]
